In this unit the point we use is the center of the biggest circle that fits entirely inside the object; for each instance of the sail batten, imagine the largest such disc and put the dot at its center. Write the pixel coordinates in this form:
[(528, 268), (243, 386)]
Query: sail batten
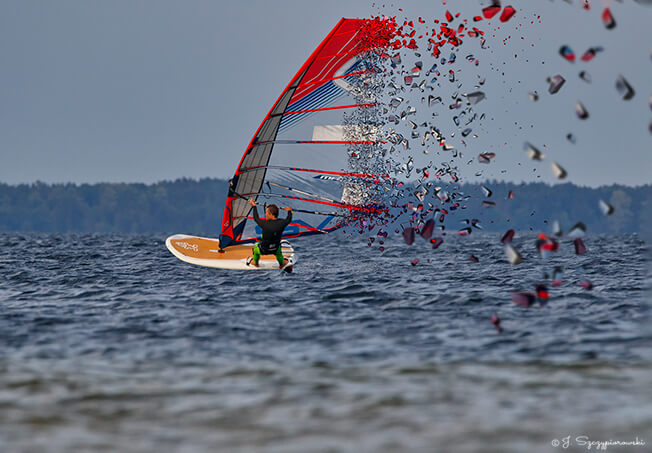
[(312, 170)]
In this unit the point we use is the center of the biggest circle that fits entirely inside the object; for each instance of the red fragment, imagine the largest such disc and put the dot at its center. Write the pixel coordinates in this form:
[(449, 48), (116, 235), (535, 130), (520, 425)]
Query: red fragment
[(449, 16), (495, 320), (589, 54), (507, 14), (580, 248), (607, 19), (408, 235), (542, 292), (436, 242), (415, 261), (507, 237), (490, 11), (523, 299), (587, 285)]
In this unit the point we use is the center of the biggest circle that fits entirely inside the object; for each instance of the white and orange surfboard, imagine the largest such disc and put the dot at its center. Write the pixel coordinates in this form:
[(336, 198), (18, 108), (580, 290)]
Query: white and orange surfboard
[(206, 252)]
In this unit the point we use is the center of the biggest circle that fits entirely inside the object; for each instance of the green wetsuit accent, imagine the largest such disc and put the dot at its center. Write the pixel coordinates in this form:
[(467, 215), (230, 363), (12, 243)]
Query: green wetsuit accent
[(278, 254)]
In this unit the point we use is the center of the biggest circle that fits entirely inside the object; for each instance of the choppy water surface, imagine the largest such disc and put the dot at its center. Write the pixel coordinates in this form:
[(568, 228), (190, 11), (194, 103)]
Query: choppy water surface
[(109, 343)]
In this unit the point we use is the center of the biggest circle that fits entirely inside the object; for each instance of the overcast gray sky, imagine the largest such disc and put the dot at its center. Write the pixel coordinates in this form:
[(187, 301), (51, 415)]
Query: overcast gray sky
[(149, 90)]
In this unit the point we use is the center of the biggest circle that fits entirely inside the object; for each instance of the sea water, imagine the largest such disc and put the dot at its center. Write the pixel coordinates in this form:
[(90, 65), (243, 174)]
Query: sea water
[(109, 343)]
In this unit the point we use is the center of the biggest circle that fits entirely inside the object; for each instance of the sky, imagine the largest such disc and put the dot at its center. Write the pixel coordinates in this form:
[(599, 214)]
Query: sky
[(150, 90)]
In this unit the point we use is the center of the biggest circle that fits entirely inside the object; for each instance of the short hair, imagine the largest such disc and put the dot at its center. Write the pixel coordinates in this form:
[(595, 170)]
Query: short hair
[(273, 209)]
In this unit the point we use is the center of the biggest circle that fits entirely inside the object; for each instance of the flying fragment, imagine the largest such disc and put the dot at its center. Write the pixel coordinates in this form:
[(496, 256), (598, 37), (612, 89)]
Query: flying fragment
[(557, 275), (507, 237), (558, 171), (555, 83), (513, 256), (532, 152), (487, 191), (581, 111), (591, 53), (485, 158), (608, 19), (542, 293), (586, 284), (578, 230), (465, 231), (606, 208), (415, 262), (474, 259), (475, 97), (490, 11), (427, 229), (436, 242), (488, 204), (545, 244), (567, 53), (395, 102), (624, 89), (556, 228), (571, 138), (534, 96), (524, 299), (432, 100), (495, 320), (585, 76), (507, 14), (580, 248), (408, 235)]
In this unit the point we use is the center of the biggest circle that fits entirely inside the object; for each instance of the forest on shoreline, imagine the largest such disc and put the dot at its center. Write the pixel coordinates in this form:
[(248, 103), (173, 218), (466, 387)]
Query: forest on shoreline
[(195, 206)]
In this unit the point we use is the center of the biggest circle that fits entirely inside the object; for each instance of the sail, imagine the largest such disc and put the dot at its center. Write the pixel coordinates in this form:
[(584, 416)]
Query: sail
[(299, 156)]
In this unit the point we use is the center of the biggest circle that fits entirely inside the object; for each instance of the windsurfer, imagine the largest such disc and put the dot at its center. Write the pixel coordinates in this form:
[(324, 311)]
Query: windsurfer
[(272, 226)]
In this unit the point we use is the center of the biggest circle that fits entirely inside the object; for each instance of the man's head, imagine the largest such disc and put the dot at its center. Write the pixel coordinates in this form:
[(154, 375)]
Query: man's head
[(271, 212)]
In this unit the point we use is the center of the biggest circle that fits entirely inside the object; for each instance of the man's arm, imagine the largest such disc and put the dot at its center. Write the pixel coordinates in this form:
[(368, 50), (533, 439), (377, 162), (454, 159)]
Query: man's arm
[(288, 219), (256, 218)]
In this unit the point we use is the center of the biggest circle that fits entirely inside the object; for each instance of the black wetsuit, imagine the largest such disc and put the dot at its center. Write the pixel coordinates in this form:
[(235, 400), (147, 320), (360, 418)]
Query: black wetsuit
[(272, 232)]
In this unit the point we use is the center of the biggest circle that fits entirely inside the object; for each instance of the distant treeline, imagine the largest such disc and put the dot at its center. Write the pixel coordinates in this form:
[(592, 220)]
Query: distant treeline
[(184, 205), (536, 205), (195, 206)]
